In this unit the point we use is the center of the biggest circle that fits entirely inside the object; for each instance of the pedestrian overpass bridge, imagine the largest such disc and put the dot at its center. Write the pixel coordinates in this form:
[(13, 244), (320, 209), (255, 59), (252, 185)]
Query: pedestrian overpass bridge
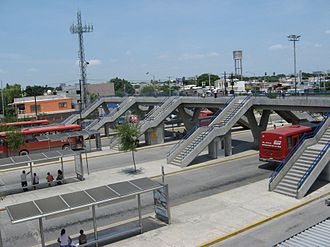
[(227, 112)]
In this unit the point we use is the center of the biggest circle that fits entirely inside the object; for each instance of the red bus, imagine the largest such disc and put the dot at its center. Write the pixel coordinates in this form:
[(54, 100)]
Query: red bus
[(205, 117), (276, 144), (26, 124), (31, 143)]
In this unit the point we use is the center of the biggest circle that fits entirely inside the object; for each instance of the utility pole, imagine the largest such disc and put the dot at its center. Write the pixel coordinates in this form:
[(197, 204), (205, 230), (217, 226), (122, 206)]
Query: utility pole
[(225, 83), (209, 81), (80, 29), (169, 85), (294, 38), (2, 101), (35, 105), (232, 83)]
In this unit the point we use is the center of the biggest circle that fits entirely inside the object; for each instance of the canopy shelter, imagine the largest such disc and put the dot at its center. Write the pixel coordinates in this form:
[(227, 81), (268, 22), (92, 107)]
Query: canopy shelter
[(30, 159), (86, 134), (18, 161), (79, 200)]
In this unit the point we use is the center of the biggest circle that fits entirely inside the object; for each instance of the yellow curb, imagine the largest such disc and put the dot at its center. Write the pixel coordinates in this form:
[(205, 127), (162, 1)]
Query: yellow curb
[(274, 216)]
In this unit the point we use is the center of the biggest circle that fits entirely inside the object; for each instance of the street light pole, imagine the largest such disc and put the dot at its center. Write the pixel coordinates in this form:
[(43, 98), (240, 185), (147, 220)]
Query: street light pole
[(294, 38), (2, 101)]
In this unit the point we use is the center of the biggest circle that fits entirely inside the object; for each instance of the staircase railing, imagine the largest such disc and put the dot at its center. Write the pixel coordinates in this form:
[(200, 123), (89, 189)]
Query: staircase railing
[(221, 124), (87, 108), (192, 130), (221, 109), (92, 124), (313, 164), (150, 113), (297, 146)]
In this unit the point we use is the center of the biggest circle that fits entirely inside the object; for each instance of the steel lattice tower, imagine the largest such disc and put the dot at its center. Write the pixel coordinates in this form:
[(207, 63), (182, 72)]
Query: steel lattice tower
[(80, 29)]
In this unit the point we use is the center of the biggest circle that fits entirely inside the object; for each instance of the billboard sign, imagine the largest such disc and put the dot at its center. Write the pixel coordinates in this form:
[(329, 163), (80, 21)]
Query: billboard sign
[(161, 204)]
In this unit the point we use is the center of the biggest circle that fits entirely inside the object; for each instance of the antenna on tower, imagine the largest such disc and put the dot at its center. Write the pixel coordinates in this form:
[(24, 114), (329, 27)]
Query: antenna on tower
[(80, 29)]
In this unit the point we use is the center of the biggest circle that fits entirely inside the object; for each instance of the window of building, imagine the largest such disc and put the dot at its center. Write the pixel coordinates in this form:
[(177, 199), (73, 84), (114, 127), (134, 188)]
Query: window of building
[(62, 104), (33, 108)]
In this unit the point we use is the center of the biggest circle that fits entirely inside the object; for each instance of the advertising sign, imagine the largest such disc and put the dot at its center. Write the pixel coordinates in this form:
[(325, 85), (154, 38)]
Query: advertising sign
[(161, 204)]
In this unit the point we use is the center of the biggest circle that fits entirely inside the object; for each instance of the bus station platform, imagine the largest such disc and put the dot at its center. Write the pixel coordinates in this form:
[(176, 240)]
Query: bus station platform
[(196, 223)]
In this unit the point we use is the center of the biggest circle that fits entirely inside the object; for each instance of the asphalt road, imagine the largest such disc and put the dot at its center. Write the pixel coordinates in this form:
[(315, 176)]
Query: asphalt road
[(277, 230), (184, 187), (241, 141)]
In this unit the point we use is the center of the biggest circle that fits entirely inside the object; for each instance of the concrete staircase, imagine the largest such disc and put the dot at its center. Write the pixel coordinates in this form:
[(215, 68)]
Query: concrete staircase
[(113, 115), (289, 184), (154, 117), (84, 114), (190, 148), (158, 114), (302, 169)]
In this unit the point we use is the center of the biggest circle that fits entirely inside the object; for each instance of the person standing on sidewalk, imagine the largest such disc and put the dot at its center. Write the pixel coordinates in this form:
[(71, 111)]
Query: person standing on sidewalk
[(24, 180), (35, 180)]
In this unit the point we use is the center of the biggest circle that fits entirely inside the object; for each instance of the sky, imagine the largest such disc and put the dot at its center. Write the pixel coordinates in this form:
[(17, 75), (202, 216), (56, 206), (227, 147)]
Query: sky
[(173, 38)]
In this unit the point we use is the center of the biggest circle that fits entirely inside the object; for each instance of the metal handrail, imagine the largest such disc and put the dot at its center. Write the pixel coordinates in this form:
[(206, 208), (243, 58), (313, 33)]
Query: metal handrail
[(297, 146), (157, 111), (89, 106), (192, 130), (313, 164), (220, 110)]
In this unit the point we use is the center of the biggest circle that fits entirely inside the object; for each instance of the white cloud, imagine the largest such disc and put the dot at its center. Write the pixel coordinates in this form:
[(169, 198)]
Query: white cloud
[(94, 62), (162, 56), (277, 47), (317, 45), (32, 70), (327, 31), (213, 54)]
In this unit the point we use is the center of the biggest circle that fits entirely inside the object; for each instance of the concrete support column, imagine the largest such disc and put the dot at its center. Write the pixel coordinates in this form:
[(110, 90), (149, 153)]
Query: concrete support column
[(227, 144), (255, 127), (325, 174), (195, 116), (188, 120), (105, 108), (214, 148), (155, 135), (107, 129)]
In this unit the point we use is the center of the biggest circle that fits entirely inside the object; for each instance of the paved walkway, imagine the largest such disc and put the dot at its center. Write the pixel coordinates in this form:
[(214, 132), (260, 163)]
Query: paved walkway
[(193, 223)]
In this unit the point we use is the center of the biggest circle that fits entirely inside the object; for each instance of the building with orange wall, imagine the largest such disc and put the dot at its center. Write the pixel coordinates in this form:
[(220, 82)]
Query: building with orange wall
[(46, 107)]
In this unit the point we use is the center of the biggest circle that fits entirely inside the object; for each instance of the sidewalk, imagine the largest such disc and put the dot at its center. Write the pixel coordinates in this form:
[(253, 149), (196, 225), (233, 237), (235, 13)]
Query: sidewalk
[(193, 223)]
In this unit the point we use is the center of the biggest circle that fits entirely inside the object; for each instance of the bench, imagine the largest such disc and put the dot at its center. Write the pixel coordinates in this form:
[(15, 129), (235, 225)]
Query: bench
[(123, 233)]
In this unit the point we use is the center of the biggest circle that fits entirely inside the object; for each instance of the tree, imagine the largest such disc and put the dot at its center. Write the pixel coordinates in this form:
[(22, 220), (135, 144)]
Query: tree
[(120, 85), (147, 90), (9, 93), (203, 79), (14, 139), (128, 137)]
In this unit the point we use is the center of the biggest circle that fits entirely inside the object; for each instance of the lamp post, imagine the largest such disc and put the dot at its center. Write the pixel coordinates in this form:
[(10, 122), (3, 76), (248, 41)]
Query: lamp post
[(294, 38), (80, 101)]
